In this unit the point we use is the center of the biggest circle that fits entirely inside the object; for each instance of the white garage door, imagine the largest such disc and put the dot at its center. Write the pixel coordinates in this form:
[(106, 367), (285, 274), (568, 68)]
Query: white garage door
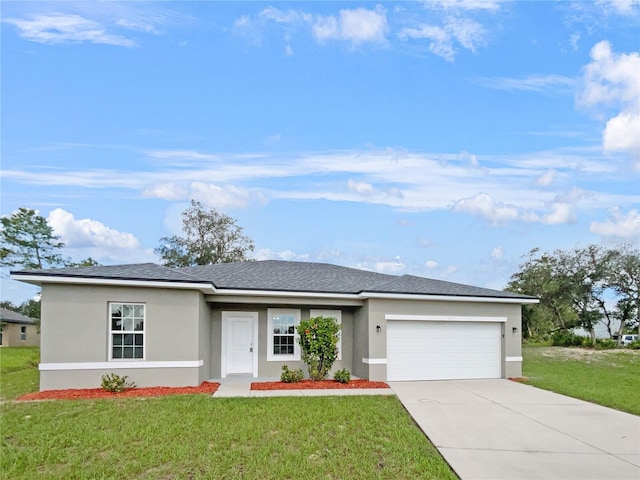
[(442, 350)]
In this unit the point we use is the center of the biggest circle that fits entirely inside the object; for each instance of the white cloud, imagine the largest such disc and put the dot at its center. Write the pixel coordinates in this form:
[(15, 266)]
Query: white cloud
[(561, 213), (166, 191), (612, 82), (619, 225), (358, 26), (492, 5), (620, 7), (392, 267), (483, 205), (88, 233), (622, 133), (444, 40), (497, 253), (228, 196), (361, 188), (66, 28), (546, 178), (288, 255), (431, 264), (532, 83)]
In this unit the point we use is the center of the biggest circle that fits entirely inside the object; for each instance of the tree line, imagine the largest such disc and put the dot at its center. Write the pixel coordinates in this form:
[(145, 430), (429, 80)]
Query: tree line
[(580, 288)]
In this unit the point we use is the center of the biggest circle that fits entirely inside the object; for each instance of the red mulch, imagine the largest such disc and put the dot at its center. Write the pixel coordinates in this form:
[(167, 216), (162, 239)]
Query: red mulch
[(82, 393), (519, 379), (322, 385)]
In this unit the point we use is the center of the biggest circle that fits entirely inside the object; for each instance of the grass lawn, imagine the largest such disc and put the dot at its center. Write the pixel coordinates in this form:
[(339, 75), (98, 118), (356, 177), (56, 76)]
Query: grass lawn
[(195, 436), (606, 377), (18, 371)]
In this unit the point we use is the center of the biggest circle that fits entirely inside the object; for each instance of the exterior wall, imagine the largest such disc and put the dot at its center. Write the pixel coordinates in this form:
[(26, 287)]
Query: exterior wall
[(11, 333), (511, 340), (360, 342), (75, 336), (274, 368)]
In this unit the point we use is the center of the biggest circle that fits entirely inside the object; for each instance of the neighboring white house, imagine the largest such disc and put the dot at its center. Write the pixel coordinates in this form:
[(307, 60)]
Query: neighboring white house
[(182, 326)]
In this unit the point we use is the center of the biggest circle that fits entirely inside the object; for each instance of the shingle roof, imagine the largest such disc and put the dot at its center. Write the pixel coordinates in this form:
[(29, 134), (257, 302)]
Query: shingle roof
[(137, 271), (282, 276), (10, 316)]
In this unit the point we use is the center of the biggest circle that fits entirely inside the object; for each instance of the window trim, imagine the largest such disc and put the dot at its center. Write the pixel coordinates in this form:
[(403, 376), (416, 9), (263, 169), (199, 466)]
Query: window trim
[(272, 357), (143, 332), (23, 333), (337, 314)]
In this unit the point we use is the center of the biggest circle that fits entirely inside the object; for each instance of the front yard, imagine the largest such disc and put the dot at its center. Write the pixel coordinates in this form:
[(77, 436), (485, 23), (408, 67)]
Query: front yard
[(606, 377), (195, 436)]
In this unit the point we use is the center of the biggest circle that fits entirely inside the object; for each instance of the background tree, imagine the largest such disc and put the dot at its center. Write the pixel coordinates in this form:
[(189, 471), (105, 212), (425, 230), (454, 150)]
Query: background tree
[(27, 240), (580, 287), (209, 237)]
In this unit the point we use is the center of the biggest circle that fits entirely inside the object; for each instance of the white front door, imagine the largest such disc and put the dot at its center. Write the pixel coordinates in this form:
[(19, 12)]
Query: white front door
[(239, 343)]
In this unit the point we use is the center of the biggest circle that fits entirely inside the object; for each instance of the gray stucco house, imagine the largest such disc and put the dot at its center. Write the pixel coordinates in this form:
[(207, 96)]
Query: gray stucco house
[(182, 326)]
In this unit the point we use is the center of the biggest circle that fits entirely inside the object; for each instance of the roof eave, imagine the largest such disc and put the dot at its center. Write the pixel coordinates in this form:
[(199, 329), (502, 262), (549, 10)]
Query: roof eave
[(38, 280), (451, 298)]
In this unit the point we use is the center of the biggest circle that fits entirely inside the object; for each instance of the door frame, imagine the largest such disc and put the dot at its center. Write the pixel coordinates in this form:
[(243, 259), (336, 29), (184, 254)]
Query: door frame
[(227, 317)]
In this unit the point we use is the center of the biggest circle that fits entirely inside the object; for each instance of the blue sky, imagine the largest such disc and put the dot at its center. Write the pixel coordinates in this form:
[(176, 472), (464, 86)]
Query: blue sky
[(443, 139)]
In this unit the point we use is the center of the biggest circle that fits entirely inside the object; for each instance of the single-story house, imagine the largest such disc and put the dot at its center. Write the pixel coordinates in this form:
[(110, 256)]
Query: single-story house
[(18, 330), (182, 326)]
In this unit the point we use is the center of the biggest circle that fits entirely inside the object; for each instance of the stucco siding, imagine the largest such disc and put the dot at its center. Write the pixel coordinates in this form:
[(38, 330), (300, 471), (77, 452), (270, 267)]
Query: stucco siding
[(75, 330)]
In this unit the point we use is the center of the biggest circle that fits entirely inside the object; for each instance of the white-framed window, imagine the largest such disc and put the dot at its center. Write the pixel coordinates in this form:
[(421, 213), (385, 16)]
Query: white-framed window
[(23, 333), (282, 338), (337, 314), (126, 331)]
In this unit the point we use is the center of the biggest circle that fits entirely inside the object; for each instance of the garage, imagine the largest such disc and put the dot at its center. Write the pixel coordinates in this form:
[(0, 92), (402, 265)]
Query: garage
[(443, 350)]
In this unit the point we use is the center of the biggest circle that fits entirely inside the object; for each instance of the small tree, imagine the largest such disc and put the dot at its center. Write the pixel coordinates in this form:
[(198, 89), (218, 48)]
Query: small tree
[(209, 237), (27, 240), (318, 338)]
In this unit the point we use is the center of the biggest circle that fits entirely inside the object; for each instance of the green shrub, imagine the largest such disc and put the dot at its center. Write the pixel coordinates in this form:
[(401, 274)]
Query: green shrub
[(605, 343), (115, 383), (567, 339), (291, 376), (318, 338), (634, 345), (342, 376)]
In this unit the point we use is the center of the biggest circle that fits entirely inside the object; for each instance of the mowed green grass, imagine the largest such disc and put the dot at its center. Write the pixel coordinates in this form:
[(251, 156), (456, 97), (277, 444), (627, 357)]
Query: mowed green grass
[(607, 377), (18, 371), (196, 436)]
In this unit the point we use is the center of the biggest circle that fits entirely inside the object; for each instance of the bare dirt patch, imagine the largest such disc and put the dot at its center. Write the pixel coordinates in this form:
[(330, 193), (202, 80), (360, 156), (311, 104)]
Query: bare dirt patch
[(322, 385), (86, 393), (583, 354)]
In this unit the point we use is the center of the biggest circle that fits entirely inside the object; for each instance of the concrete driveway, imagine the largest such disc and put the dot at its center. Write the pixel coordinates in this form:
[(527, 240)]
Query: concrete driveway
[(499, 429)]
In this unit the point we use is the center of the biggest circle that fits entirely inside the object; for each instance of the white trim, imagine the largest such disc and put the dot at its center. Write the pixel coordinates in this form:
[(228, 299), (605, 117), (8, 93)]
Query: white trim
[(271, 357), (38, 279), (227, 316), (449, 298), (118, 365), (374, 361), (285, 293), (512, 359), (444, 318), (337, 314)]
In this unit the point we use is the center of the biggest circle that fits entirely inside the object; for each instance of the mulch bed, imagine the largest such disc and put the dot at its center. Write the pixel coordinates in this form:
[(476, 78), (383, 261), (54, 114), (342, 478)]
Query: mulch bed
[(84, 393), (322, 385)]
